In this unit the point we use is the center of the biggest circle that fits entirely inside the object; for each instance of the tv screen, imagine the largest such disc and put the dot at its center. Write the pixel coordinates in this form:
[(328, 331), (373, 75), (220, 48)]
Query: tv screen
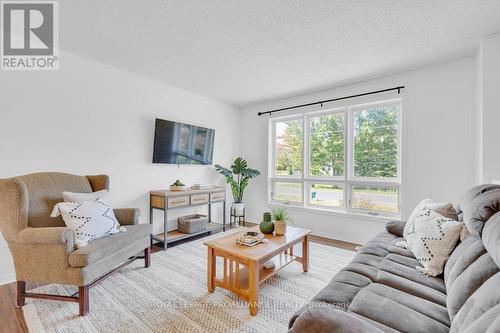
[(178, 143)]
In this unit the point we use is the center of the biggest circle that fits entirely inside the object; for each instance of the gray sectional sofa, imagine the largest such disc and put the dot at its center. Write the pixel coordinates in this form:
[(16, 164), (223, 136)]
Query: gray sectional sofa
[(381, 291)]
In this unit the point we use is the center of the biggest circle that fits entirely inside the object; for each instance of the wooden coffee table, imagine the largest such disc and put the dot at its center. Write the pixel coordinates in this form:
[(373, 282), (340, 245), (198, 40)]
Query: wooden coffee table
[(243, 269)]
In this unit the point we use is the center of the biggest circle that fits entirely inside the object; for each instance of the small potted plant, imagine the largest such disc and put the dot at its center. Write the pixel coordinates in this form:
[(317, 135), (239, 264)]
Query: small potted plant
[(243, 174), (280, 217), (177, 186)]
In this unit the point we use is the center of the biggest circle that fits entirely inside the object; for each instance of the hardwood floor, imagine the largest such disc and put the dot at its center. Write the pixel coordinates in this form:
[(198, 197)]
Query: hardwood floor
[(12, 319)]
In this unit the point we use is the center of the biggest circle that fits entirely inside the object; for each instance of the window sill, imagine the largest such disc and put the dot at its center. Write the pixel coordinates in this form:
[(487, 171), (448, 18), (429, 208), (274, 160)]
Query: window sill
[(379, 218)]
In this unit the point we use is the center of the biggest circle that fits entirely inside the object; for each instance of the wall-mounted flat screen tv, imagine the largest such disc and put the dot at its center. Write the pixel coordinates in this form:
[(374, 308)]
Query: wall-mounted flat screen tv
[(178, 143)]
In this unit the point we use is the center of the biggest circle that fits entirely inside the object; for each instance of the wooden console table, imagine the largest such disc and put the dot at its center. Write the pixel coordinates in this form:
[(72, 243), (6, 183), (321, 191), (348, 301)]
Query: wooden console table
[(166, 200)]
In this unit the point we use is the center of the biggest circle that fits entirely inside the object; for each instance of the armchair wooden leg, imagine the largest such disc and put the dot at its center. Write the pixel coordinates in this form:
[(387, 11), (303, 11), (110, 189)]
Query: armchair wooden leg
[(83, 295), (21, 289), (147, 257)]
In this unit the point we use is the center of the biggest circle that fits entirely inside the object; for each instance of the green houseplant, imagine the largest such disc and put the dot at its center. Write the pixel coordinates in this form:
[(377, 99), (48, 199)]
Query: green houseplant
[(238, 177), (280, 217), (177, 186)]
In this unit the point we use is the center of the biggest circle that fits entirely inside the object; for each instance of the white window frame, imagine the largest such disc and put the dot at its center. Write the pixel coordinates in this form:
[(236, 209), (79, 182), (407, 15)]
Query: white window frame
[(348, 180)]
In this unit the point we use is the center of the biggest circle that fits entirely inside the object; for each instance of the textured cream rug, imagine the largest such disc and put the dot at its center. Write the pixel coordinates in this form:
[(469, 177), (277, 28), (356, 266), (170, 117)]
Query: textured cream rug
[(171, 296)]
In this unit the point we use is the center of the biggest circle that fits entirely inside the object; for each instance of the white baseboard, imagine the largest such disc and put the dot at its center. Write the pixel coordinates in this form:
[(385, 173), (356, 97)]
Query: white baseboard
[(9, 278)]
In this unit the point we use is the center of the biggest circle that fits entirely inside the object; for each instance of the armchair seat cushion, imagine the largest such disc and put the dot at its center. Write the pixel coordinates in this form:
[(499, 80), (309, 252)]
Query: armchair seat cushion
[(104, 247)]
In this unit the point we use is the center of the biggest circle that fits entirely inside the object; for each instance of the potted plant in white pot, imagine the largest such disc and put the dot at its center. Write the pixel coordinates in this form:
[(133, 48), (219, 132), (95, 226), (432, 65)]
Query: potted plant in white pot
[(243, 174)]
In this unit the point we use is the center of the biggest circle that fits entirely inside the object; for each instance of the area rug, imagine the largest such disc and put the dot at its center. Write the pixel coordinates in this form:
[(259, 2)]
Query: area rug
[(171, 296)]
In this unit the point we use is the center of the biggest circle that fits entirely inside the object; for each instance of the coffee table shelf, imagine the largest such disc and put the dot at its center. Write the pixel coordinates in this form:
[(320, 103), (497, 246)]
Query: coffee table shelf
[(280, 261)]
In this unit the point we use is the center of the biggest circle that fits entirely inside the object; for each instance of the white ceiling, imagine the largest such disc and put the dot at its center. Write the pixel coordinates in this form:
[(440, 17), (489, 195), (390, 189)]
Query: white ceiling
[(245, 52)]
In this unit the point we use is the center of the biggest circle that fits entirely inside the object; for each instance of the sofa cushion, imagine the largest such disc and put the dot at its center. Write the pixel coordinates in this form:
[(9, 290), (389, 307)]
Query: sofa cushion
[(473, 279), (472, 194), (106, 246), (478, 205), (330, 319), (481, 311), (377, 300), (491, 237)]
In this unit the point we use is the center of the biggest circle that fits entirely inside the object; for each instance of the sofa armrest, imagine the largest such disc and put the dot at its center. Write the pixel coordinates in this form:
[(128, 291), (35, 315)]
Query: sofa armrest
[(48, 236), (395, 227), (329, 319), (127, 216)]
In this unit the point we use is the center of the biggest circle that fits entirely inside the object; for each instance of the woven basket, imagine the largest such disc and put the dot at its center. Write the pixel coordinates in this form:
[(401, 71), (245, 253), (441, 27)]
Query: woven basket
[(192, 223)]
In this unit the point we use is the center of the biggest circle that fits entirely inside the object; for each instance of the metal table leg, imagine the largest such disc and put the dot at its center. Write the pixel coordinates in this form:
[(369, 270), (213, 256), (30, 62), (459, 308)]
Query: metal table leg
[(224, 215), (165, 228)]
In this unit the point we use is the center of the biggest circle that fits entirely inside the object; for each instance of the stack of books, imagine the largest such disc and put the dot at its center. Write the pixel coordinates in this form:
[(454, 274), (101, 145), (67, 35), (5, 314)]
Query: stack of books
[(249, 240), (201, 186)]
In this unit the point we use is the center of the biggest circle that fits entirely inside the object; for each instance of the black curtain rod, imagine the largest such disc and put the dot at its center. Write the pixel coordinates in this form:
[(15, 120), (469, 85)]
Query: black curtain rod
[(333, 100)]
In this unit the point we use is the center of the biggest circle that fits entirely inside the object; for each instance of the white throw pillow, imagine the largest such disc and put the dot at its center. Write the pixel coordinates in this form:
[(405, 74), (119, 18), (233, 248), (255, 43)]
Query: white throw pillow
[(431, 238), (102, 195), (443, 208), (89, 220)]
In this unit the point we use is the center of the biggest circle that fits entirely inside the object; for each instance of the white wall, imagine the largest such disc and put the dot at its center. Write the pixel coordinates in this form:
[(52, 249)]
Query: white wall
[(90, 118), (489, 106), (439, 118)]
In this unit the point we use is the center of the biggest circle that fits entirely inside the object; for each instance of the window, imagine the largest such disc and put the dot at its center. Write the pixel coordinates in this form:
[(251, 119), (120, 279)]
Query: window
[(326, 144), (345, 159), (376, 142), (288, 148), (375, 198), (287, 192), (326, 195)]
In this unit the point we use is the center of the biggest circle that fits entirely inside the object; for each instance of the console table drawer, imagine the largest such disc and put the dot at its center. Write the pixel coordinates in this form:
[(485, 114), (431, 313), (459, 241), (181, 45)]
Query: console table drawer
[(199, 198), (217, 196), (177, 202)]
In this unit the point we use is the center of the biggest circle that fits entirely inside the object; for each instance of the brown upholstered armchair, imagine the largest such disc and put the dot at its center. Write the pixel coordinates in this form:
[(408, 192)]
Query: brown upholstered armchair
[(43, 248)]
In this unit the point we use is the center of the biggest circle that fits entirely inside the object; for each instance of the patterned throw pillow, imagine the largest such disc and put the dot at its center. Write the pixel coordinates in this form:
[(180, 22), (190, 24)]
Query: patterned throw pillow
[(89, 220), (443, 208), (431, 238)]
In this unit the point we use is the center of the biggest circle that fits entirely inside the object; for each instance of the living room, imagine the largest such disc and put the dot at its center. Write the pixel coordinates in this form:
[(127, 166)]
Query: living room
[(335, 166)]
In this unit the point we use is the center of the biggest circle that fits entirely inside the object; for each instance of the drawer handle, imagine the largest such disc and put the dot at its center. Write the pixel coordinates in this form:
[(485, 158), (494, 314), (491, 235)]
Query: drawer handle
[(176, 202), (199, 199)]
